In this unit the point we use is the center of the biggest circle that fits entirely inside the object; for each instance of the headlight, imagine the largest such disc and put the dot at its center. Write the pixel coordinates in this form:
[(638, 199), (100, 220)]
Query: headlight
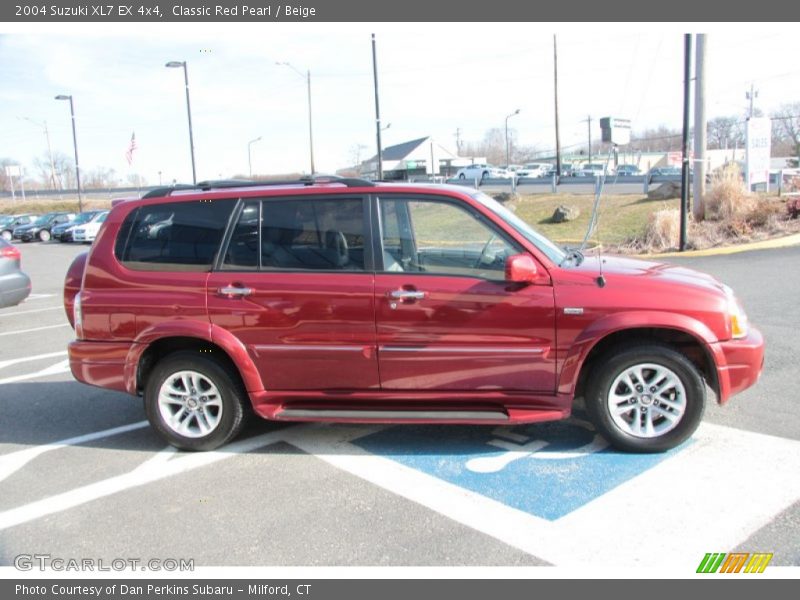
[(736, 315)]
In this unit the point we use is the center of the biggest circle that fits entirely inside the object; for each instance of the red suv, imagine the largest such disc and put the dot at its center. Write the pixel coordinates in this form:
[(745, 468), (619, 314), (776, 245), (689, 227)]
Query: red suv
[(350, 301)]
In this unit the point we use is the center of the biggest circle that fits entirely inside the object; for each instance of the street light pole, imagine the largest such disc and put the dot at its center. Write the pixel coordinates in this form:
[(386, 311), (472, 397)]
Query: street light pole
[(75, 145), (516, 112), (377, 109), (249, 159), (175, 64), (307, 77)]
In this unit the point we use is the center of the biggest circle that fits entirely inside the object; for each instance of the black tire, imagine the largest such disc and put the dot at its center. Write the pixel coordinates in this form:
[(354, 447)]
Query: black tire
[(620, 430), (461, 176), (484, 176), (6, 235), (234, 402), (44, 235)]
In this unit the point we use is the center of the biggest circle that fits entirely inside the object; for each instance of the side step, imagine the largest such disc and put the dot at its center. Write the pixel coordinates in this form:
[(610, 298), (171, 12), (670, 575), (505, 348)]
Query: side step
[(390, 415)]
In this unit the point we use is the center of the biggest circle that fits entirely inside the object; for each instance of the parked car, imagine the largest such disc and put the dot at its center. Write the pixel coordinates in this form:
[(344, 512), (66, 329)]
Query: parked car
[(482, 172), (88, 231), (665, 172), (628, 170), (590, 170), (40, 228), (534, 170), (15, 285), (63, 231), (9, 222), (351, 301)]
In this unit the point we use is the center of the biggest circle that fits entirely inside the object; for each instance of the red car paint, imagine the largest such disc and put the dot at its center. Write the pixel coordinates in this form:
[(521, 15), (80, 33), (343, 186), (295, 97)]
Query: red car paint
[(312, 341)]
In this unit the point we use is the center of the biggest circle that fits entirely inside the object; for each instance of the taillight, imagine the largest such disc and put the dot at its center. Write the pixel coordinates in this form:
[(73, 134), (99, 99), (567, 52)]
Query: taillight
[(10, 252), (77, 315)]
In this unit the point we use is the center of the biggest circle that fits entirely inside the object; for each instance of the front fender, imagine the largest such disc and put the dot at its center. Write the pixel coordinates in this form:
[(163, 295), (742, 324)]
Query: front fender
[(620, 321)]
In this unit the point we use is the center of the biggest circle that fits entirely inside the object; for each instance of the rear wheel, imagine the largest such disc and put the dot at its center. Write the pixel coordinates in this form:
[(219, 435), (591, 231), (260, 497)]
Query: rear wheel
[(645, 398), (6, 235), (44, 235), (195, 402)]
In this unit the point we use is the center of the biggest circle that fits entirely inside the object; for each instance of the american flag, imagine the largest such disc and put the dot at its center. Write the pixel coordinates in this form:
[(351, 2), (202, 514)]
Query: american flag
[(131, 148)]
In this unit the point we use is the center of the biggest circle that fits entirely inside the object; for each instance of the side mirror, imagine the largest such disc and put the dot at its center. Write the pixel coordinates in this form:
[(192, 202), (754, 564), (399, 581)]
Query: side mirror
[(521, 268)]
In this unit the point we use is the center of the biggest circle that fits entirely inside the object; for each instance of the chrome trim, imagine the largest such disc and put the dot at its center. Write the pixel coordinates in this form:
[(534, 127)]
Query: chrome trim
[(231, 291), (465, 349), (445, 415), (569, 310), (299, 347), (406, 295)]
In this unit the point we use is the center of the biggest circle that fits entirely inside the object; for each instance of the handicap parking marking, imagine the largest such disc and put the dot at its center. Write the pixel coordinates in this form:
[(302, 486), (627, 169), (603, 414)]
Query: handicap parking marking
[(664, 510), (558, 468)]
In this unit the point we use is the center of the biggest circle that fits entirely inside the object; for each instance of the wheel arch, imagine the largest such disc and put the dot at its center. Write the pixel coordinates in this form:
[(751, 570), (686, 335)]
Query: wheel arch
[(693, 345)]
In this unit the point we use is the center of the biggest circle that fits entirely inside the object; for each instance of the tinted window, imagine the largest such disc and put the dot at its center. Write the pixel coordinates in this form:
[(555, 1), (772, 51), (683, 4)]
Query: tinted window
[(174, 236), (302, 234), (441, 238)]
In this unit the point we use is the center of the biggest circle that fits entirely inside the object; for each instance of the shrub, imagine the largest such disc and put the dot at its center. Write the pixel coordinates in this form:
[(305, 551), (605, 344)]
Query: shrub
[(663, 229), (726, 198)]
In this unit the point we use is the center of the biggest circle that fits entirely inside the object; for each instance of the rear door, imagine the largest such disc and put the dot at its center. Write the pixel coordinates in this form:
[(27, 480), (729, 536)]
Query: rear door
[(295, 285), (446, 317)]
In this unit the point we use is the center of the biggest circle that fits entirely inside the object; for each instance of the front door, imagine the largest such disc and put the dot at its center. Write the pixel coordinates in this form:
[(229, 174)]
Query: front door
[(446, 317), (292, 285)]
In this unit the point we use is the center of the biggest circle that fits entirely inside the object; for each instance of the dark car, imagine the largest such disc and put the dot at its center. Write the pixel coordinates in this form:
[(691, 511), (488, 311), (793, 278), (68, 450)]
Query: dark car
[(40, 228), (665, 172), (9, 222), (628, 170), (63, 231), (14, 284), (344, 300)]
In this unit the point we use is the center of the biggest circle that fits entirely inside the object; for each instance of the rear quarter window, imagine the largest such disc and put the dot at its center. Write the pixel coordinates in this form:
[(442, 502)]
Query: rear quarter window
[(173, 236)]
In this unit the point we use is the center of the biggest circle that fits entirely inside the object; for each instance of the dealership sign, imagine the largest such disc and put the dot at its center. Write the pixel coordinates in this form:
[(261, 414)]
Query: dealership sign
[(759, 135)]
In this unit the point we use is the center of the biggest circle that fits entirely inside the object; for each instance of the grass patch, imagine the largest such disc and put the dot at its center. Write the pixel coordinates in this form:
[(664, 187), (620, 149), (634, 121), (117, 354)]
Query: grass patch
[(39, 207), (621, 217)]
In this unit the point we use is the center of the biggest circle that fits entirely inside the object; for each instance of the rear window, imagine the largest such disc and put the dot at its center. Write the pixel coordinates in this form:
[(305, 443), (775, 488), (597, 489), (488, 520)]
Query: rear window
[(173, 236)]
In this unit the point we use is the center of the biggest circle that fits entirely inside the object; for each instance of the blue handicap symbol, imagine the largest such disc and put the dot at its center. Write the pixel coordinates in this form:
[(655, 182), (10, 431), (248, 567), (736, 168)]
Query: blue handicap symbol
[(544, 469)]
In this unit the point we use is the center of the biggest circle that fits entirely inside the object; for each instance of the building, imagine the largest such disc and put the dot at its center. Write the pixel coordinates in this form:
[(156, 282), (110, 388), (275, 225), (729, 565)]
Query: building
[(422, 158)]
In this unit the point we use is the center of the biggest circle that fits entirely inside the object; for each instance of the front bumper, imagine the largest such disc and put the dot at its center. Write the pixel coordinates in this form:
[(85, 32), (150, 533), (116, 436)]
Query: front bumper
[(739, 363)]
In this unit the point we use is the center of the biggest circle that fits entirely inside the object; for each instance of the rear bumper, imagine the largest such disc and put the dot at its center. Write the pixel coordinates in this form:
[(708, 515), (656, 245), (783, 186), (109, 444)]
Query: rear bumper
[(14, 288), (102, 364), (741, 364)]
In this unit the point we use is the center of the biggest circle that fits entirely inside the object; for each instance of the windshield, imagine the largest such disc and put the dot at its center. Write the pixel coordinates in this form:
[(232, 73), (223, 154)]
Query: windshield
[(101, 218), (83, 218), (552, 251), (6, 220)]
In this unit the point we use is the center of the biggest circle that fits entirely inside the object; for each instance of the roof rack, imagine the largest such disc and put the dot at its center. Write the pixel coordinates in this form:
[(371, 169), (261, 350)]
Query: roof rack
[(239, 183)]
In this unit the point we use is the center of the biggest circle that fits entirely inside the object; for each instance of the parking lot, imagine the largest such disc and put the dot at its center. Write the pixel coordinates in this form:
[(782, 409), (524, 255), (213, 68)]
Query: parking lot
[(82, 474)]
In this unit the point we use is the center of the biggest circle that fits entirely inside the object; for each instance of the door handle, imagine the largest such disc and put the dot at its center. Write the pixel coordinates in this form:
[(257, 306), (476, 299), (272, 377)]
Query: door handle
[(232, 291), (406, 295)]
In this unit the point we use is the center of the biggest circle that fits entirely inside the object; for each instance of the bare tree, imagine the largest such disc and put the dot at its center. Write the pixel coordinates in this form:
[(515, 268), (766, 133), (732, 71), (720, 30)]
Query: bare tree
[(101, 177), (725, 132), (5, 182), (356, 152), (786, 121)]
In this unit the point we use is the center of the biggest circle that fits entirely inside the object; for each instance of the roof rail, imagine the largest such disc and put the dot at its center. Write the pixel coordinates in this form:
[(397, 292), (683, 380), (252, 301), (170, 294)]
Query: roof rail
[(239, 183)]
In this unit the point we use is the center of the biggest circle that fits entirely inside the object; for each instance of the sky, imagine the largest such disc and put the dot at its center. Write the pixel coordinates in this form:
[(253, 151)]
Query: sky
[(434, 79)]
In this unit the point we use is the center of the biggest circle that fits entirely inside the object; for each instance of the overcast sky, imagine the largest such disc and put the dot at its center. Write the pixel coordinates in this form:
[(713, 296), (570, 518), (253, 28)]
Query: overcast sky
[(433, 80)]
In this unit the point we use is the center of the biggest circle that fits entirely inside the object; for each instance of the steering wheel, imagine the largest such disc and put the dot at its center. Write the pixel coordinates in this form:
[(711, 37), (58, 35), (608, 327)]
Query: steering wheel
[(478, 262)]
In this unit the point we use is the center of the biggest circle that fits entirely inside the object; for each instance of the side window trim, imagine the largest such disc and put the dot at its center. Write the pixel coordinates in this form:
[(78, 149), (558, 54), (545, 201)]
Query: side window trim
[(226, 237)]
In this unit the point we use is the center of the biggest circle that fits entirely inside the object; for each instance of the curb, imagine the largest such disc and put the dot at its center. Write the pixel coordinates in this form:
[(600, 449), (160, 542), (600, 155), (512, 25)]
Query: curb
[(784, 242)]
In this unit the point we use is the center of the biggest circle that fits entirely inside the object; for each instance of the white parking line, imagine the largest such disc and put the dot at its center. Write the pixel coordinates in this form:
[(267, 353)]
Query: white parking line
[(27, 312), (34, 329), (158, 469), (38, 297), (59, 367), (14, 461), (16, 361)]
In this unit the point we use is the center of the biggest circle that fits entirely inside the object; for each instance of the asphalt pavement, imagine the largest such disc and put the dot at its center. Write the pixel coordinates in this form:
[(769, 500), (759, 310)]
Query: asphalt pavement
[(83, 476)]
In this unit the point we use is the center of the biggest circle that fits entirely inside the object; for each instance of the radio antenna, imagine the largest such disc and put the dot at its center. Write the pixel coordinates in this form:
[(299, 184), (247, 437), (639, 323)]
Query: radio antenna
[(593, 220)]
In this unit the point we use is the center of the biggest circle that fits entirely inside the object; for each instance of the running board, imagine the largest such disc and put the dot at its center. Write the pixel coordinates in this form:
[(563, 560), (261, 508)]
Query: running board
[(422, 415)]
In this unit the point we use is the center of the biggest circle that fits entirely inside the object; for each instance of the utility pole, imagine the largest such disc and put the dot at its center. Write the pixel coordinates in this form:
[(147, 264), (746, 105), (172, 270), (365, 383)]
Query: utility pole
[(458, 141), (377, 109), (751, 95), (700, 128), (589, 123), (555, 89), (687, 74)]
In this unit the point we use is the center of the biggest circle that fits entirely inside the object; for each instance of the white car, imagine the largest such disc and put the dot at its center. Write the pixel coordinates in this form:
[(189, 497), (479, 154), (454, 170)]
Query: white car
[(482, 172), (534, 170), (88, 231), (591, 170)]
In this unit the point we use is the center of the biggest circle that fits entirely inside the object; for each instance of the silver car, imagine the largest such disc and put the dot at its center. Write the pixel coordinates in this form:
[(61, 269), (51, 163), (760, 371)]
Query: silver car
[(15, 285)]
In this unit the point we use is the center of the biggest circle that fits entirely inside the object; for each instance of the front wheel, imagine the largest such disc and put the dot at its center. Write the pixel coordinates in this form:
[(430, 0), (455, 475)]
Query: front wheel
[(44, 235), (645, 398), (6, 235), (195, 402)]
